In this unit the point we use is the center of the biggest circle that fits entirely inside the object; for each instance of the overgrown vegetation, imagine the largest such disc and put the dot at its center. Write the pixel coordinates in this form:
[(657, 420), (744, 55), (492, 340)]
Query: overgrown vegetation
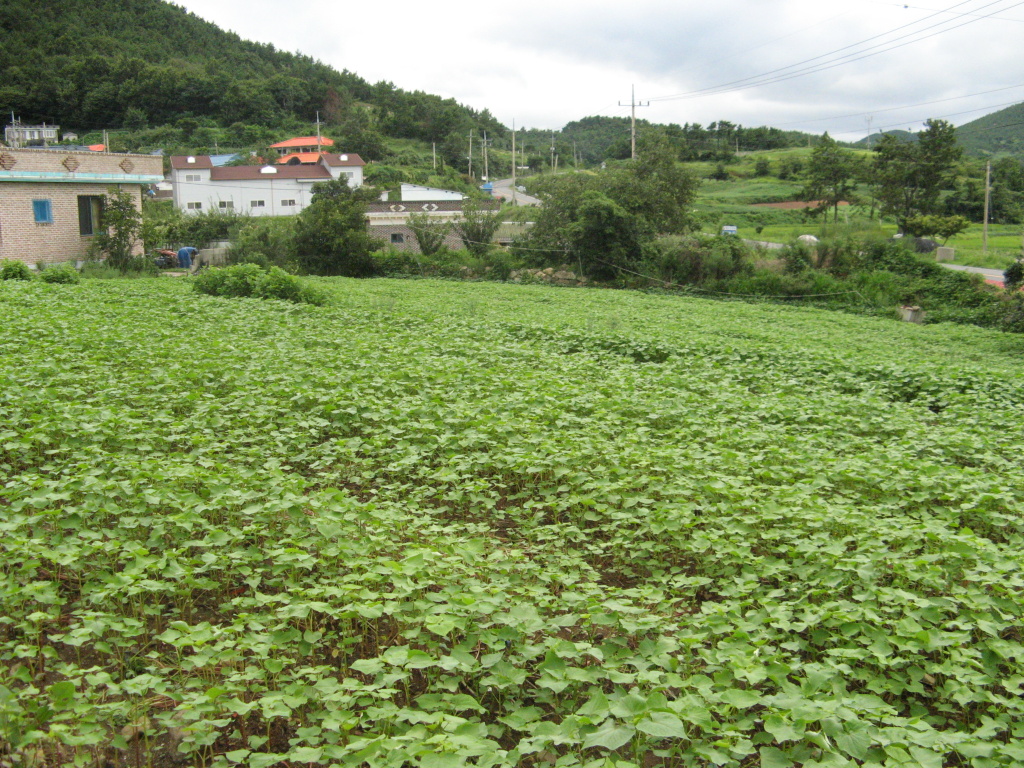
[(251, 280), (445, 524)]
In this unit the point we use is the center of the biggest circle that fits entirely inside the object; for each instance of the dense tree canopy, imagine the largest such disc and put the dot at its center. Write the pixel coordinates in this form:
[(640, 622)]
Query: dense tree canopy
[(331, 236), (911, 175), (601, 220), (90, 64), (831, 176)]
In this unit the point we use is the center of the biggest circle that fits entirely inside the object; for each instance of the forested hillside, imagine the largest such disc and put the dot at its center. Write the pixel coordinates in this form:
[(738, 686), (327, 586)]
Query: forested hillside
[(88, 64), (997, 133)]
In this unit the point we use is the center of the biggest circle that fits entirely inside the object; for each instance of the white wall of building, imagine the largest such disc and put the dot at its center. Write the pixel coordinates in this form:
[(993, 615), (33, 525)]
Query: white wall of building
[(195, 191)]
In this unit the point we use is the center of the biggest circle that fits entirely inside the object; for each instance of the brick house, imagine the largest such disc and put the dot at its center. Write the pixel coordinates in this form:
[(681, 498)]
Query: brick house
[(389, 221), (270, 190), (51, 199)]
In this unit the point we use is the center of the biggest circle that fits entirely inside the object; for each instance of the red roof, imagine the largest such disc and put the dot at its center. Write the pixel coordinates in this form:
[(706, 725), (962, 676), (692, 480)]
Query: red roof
[(181, 163), (303, 141), (255, 172), (97, 147)]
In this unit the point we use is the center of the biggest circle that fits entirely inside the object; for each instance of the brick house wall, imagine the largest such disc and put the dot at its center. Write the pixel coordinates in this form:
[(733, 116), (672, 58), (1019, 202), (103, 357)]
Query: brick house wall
[(61, 177), (388, 221)]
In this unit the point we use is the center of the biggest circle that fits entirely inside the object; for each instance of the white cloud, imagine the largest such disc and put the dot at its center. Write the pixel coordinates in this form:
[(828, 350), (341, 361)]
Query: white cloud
[(543, 64)]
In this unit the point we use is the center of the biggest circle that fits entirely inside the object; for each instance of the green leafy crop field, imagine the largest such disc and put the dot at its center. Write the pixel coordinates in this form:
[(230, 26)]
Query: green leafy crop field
[(443, 524)]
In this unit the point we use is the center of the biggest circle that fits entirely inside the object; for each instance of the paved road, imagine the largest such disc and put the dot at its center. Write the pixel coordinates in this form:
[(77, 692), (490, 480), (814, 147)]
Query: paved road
[(994, 276), (991, 275), (503, 189)]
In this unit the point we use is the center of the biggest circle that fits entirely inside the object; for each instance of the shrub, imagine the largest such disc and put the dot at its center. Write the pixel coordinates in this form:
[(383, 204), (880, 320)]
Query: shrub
[(62, 273), (1012, 320), (267, 241), (696, 259), (797, 257), (392, 262), (15, 270), (251, 280), (1013, 277)]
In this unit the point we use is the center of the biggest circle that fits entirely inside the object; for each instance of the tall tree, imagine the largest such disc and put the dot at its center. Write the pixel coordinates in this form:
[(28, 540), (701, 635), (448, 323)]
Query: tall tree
[(831, 177), (331, 236), (910, 175), (476, 228)]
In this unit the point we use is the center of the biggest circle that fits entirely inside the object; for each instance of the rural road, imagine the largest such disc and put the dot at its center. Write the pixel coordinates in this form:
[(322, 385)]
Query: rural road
[(503, 189), (994, 276)]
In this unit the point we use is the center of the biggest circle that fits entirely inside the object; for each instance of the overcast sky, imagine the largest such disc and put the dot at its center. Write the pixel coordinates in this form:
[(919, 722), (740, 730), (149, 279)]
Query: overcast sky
[(543, 64)]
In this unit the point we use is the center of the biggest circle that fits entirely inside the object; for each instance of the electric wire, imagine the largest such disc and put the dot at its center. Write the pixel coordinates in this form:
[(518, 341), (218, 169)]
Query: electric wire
[(767, 78)]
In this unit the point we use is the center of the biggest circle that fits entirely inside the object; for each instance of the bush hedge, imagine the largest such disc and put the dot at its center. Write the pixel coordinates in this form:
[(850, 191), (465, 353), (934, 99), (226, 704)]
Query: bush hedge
[(15, 270), (252, 280)]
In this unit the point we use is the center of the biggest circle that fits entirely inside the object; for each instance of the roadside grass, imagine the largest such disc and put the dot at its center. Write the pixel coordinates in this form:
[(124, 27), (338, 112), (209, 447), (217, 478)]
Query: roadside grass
[(1005, 244)]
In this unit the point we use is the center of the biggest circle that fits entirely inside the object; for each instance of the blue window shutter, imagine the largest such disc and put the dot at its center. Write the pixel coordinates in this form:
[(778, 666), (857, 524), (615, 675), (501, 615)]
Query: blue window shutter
[(43, 210)]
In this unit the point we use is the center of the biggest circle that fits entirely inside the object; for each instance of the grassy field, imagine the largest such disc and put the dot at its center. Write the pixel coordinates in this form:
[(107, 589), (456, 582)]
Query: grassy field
[(443, 524)]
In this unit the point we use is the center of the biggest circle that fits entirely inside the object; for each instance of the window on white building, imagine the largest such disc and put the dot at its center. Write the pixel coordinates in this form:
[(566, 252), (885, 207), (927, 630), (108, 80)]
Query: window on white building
[(194, 206), (224, 204), (258, 204), (287, 203), (397, 237), (193, 177)]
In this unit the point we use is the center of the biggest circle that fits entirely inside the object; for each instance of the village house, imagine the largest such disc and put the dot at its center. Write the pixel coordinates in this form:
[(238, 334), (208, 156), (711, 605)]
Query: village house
[(388, 219), (19, 135), (51, 199), (304, 149), (269, 190)]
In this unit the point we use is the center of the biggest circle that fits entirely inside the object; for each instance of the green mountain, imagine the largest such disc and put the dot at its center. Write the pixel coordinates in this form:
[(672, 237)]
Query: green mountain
[(90, 64), (999, 133), (874, 138)]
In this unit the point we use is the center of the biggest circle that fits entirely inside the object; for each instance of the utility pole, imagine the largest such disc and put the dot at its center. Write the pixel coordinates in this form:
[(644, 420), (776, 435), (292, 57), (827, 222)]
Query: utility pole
[(318, 139), (513, 161), (575, 160), (988, 198), (552, 151), (471, 153), (632, 131), (487, 173), (870, 120), (433, 146)]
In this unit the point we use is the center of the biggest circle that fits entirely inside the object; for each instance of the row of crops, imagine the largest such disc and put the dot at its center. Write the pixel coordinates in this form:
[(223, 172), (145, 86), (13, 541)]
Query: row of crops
[(444, 524)]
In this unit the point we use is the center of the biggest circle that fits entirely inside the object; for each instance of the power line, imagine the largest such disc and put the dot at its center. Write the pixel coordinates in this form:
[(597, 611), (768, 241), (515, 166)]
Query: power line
[(780, 75), (896, 109), (921, 8)]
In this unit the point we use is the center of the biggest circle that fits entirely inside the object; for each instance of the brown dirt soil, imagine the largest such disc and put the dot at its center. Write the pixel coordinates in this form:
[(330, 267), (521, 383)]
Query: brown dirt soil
[(792, 205)]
